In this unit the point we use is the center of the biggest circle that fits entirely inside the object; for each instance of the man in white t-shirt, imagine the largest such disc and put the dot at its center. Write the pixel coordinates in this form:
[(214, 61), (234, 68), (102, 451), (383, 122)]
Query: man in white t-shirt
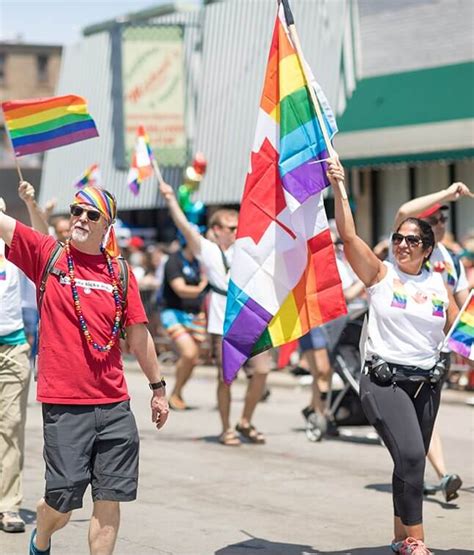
[(14, 381), (431, 208), (216, 258)]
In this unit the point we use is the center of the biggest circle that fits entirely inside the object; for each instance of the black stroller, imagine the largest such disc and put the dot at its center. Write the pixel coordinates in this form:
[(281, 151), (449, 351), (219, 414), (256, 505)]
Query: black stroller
[(344, 407)]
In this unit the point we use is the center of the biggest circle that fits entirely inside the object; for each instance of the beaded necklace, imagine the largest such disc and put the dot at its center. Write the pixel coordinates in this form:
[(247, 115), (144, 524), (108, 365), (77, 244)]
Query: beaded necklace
[(77, 304)]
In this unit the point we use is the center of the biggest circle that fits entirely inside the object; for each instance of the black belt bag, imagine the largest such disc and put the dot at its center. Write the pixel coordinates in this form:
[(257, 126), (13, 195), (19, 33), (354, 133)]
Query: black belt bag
[(386, 372)]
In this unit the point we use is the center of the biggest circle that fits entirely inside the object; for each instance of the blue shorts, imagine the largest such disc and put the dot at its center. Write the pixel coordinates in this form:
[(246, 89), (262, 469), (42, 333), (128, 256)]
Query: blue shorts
[(177, 322), (325, 336)]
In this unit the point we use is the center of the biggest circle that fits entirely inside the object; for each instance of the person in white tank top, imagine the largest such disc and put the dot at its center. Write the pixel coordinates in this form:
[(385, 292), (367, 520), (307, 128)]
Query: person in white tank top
[(409, 311)]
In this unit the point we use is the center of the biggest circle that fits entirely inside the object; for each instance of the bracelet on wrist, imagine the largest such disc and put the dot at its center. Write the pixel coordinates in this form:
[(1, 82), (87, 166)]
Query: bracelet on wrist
[(157, 385)]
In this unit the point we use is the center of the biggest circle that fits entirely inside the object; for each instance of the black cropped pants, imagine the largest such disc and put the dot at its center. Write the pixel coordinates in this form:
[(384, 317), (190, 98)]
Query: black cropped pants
[(405, 424)]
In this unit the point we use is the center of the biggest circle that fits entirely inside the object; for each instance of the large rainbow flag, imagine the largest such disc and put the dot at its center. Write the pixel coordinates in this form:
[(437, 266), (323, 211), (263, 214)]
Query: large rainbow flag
[(461, 337), (40, 124), (141, 166), (284, 280)]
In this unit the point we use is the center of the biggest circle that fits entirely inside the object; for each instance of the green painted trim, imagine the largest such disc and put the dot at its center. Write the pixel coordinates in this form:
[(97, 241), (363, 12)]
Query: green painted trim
[(407, 158), (411, 98)]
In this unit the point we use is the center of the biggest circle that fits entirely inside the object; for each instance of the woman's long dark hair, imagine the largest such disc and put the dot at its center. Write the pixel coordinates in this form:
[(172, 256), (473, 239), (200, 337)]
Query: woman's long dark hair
[(426, 234)]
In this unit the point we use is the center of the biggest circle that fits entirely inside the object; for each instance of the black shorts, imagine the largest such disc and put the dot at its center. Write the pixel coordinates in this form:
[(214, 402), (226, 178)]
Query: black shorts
[(89, 444)]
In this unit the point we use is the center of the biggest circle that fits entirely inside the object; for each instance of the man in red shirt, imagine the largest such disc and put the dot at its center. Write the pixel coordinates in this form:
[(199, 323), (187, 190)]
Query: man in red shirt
[(89, 430)]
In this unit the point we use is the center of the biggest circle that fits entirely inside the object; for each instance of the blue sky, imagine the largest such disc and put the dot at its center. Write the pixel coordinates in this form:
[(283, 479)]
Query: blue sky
[(61, 21)]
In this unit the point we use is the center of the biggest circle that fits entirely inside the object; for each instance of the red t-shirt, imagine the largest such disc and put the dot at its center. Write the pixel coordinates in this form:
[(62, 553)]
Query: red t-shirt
[(69, 370)]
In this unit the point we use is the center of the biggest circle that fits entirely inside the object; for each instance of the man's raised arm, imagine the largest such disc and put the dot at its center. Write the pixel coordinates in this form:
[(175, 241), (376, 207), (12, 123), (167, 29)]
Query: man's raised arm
[(38, 218), (192, 236), (417, 205), (7, 224)]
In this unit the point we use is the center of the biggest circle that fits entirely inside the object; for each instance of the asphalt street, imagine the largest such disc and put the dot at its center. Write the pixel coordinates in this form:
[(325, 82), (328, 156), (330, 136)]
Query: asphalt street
[(288, 497)]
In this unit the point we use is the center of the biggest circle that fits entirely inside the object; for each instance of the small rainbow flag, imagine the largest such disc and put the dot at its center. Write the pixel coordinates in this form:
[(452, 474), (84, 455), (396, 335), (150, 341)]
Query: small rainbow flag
[(461, 336), (40, 124), (90, 177), (141, 167), (284, 279), (3, 268)]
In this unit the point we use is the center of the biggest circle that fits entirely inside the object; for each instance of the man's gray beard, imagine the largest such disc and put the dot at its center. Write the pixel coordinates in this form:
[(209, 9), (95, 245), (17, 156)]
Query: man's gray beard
[(79, 235)]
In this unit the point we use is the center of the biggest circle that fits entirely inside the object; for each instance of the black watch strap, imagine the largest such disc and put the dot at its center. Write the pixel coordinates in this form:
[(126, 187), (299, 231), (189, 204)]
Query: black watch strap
[(157, 385)]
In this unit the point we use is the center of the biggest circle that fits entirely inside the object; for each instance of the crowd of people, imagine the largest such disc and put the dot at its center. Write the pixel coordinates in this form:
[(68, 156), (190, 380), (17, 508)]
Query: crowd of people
[(101, 305)]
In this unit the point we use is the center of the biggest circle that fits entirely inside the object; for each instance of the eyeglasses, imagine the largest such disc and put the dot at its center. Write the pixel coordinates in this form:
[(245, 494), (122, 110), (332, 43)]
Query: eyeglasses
[(411, 240), (432, 220), (92, 215), (231, 228)]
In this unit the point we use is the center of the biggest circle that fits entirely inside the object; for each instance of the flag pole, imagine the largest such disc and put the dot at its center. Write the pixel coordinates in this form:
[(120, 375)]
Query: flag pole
[(296, 42), (455, 323), (18, 169), (156, 168)]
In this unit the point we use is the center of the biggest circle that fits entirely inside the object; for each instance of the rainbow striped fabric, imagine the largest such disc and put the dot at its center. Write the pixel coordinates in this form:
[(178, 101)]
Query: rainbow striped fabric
[(141, 167), (41, 124), (90, 177), (284, 279), (3, 268), (461, 337)]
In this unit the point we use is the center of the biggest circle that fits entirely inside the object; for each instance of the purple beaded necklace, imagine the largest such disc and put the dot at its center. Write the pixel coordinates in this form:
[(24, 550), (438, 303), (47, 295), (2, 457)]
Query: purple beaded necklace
[(77, 304)]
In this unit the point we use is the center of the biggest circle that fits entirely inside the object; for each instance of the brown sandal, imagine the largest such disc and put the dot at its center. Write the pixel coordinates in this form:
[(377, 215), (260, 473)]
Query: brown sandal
[(251, 434), (229, 438)]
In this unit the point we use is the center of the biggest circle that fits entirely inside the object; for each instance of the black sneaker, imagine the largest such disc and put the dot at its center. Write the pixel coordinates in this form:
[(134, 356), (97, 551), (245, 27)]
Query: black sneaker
[(449, 485)]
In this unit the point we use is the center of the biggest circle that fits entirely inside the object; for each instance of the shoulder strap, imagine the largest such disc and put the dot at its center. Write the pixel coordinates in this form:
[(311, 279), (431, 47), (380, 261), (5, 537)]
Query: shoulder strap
[(48, 269), (124, 276), (224, 261), (124, 271)]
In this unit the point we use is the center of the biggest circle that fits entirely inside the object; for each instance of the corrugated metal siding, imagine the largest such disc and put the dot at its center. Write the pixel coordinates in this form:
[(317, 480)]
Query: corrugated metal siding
[(224, 84), (237, 39), (86, 70), (412, 34)]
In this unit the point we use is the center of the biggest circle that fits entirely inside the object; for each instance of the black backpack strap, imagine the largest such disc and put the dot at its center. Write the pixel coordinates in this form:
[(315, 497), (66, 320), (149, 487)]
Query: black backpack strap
[(124, 276), (224, 261), (214, 288), (49, 269)]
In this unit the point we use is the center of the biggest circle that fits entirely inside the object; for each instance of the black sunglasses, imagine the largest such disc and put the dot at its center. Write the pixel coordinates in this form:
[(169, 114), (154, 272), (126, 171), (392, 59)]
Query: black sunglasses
[(92, 215), (432, 220), (411, 240)]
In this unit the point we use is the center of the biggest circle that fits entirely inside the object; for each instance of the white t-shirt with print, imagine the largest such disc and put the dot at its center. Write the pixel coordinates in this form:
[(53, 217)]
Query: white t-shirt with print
[(210, 258), (407, 315), (10, 296)]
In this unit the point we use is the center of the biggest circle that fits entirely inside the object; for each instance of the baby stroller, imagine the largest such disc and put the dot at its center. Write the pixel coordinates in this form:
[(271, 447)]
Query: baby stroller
[(344, 407)]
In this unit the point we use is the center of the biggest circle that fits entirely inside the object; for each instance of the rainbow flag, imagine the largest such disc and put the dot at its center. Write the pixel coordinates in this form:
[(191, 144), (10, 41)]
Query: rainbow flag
[(284, 280), (141, 167), (90, 177), (3, 268), (461, 336), (40, 124)]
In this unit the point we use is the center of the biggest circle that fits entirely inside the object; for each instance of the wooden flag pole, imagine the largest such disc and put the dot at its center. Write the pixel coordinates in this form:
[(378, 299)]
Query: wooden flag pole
[(156, 168), (458, 317), (296, 42), (17, 165)]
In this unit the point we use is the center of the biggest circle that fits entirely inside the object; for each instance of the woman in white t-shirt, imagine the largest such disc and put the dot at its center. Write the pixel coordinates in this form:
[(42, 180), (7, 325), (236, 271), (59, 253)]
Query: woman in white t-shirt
[(410, 308)]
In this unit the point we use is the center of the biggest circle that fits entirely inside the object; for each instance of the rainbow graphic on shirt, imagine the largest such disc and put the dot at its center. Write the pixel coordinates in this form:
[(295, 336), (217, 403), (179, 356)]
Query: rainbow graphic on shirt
[(3, 268), (438, 306), (399, 294)]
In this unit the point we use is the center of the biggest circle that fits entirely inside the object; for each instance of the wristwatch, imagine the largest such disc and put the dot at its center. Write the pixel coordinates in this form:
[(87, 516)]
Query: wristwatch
[(157, 385)]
